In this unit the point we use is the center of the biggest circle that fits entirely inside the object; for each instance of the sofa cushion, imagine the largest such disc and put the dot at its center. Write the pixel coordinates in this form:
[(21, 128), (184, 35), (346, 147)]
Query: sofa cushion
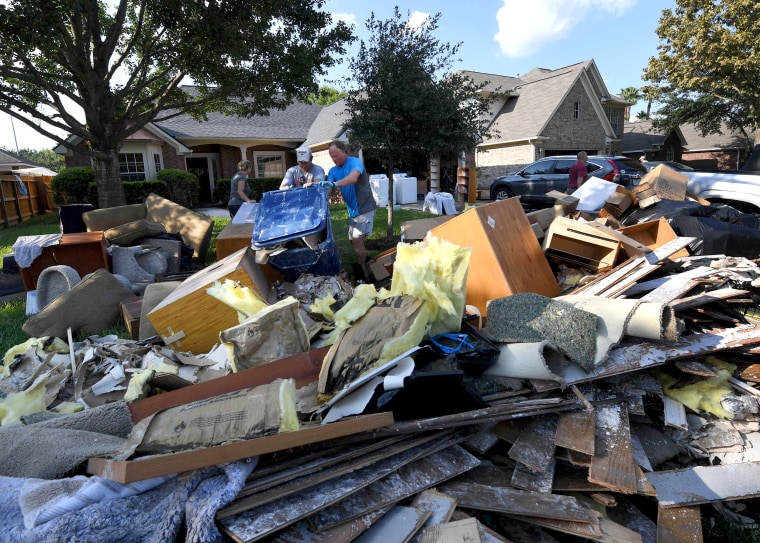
[(126, 234), (194, 228), (91, 306), (109, 217)]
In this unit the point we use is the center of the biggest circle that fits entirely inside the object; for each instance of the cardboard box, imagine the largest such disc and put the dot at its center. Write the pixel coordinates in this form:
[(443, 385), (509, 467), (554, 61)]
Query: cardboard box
[(416, 230), (653, 234), (667, 183), (580, 244), (190, 319), (564, 204), (506, 257), (619, 201)]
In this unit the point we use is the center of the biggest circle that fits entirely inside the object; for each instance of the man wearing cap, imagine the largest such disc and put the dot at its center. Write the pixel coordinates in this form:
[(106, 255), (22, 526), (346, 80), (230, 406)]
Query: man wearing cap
[(303, 173)]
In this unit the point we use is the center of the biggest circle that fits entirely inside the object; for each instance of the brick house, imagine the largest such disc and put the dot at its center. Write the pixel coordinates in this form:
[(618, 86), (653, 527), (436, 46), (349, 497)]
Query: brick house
[(544, 112), (724, 151)]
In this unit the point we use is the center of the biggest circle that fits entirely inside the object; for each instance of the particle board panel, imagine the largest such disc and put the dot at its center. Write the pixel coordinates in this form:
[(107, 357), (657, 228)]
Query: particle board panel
[(576, 431), (613, 465), (679, 525), (127, 471), (506, 256)]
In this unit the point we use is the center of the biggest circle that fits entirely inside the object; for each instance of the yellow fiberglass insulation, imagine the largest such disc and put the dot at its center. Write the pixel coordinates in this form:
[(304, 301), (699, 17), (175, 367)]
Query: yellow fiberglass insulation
[(323, 306), (44, 344), (434, 271), (241, 298), (705, 395), (362, 299), (16, 405)]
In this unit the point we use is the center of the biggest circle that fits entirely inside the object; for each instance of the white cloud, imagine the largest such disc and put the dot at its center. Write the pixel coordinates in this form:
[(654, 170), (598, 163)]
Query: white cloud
[(348, 18), (417, 19), (525, 27)]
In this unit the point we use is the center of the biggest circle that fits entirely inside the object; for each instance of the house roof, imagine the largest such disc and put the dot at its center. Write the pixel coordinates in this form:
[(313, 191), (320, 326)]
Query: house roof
[(640, 136), (12, 160), (328, 124), (289, 124), (535, 97)]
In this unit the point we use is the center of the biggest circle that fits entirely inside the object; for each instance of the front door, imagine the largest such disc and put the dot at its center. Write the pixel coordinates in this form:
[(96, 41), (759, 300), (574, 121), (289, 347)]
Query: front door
[(199, 166)]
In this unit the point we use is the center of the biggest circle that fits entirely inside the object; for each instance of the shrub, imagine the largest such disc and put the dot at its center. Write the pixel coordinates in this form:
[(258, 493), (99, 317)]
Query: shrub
[(134, 191), (71, 186), (182, 187), (258, 187)]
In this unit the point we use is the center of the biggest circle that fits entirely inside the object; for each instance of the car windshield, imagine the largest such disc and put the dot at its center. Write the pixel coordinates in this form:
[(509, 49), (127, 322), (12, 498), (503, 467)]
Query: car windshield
[(629, 165)]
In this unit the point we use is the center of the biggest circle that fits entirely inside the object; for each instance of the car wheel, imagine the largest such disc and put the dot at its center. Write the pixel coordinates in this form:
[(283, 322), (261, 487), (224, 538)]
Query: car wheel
[(501, 193)]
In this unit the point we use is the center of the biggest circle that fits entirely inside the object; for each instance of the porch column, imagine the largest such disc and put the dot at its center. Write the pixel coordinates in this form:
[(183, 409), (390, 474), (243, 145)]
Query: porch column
[(243, 150)]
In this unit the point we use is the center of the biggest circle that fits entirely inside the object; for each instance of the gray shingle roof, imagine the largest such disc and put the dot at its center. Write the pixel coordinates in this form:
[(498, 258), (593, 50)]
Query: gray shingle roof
[(11, 159), (292, 123), (639, 137), (328, 125)]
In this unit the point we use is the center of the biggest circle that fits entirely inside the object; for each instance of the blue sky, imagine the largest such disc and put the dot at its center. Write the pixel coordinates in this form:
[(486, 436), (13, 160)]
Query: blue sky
[(504, 37)]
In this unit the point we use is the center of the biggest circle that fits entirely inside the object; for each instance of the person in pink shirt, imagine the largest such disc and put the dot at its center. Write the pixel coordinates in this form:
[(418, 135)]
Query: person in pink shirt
[(578, 173)]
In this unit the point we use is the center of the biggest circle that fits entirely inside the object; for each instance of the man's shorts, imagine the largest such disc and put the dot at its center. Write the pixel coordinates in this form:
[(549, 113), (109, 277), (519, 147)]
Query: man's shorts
[(361, 226)]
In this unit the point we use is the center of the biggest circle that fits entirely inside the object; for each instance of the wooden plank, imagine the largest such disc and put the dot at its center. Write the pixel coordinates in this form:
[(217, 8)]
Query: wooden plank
[(706, 298), (255, 524), (304, 368), (299, 484), (679, 525), (525, 478), (535, 446), (405, 482), (706, 484), (451, 532), (510, 501), (671, 290), (576, 430), (628, 357), (612, 465), (127, 471), (303, 532)]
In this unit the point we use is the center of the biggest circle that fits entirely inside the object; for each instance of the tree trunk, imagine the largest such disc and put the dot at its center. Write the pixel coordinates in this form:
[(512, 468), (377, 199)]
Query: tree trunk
[(108, 180), (389, 227)]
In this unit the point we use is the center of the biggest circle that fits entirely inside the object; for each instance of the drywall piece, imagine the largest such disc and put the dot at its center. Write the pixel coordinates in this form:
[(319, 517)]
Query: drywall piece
[(706, 484)]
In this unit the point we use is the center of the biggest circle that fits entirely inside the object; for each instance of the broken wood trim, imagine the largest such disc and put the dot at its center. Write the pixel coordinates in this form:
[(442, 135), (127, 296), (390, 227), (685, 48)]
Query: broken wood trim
[(303, 367), (127, 471)]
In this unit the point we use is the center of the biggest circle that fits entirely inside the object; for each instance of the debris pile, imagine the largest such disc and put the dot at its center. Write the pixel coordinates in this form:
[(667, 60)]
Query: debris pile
[(523, 375)]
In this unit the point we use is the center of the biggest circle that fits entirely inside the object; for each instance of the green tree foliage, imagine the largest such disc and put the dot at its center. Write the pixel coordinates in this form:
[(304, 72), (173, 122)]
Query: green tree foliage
[(123, 66), (707, 67), (41, 157), (326, 95), (406, 101)]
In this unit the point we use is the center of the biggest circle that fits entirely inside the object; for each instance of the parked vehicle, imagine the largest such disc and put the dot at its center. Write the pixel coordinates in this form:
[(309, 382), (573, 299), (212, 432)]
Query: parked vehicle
[(652, 164), (552, 173), (739, 189)]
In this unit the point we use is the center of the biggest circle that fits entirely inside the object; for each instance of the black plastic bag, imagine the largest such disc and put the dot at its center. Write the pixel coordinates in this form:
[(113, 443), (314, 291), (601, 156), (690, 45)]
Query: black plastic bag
[(472, 351)]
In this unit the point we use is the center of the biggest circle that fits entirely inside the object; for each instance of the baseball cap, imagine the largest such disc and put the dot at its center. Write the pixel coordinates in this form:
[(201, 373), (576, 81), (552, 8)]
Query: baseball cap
[(303, 154)]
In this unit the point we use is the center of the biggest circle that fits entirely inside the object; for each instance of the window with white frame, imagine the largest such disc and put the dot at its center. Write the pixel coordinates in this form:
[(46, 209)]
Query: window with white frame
[(670, 154), (613, 115), (131, 167), (269, 164), (576, 110), (157, 162)]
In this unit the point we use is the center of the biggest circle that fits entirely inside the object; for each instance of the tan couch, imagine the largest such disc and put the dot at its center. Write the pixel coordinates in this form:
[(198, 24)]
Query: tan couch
[(147, 219)]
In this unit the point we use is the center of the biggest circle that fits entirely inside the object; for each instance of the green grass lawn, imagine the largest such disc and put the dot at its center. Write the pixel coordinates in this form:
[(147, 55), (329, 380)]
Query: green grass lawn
[(13, 313)]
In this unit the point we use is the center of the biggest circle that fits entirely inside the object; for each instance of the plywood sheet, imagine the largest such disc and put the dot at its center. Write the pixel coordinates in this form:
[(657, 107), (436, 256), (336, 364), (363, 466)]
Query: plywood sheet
[(679, 525)]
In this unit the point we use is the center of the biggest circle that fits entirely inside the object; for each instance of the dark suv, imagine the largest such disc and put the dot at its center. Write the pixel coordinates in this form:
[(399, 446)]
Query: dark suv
[(551, 173)]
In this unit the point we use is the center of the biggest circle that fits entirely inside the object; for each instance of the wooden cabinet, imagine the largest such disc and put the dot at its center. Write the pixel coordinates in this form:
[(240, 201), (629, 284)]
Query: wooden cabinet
[(83, 251), (506, 255)]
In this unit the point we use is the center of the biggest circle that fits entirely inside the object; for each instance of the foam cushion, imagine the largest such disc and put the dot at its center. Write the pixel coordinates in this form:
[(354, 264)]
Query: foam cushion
[(91, 306), (126, 234)]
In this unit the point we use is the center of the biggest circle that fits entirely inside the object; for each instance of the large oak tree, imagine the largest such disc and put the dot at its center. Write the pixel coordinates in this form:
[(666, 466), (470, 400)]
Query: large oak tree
[(407, 102), (102, 72), (707, 67)]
